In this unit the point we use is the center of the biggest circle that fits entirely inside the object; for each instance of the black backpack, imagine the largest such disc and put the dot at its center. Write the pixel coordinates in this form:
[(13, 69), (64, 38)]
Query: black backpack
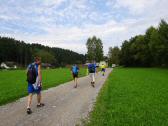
[(31, 74)]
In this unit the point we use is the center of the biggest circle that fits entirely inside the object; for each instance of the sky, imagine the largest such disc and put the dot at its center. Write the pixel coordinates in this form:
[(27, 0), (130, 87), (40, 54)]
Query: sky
[(69, 23)]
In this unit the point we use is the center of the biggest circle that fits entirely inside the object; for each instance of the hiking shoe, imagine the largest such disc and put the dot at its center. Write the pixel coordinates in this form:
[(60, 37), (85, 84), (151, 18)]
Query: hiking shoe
[(92, 83), (40, 105), (29, 111)]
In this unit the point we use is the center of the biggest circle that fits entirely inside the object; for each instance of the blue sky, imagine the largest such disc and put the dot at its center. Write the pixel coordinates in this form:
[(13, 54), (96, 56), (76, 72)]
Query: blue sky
[(68, 23)]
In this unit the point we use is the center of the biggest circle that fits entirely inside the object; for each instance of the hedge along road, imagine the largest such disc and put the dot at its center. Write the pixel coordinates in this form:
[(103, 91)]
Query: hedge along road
[(64, 105)]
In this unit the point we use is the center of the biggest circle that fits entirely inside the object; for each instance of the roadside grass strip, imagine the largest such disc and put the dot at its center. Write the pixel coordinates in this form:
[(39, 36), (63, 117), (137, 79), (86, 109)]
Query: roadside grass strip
[(132, 97)]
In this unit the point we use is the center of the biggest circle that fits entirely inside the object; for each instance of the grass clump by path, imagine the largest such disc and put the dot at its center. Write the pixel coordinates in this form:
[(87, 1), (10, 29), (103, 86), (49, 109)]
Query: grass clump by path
[(132, 97), (13, 83)]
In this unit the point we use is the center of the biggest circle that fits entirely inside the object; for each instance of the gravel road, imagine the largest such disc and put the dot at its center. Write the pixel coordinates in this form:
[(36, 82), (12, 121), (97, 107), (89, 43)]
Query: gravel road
[(64, 105)]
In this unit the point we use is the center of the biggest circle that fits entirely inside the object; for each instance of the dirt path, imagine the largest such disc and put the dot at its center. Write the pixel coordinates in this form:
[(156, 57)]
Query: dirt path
[(64, 105)]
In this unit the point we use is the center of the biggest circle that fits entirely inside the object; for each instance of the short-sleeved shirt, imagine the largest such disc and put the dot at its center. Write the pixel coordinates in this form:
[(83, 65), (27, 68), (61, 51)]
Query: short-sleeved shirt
[(103, 66)]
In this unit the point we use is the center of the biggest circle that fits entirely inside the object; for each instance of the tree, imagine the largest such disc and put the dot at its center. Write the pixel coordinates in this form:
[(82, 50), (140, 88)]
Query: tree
[(125, 55), (99, 50), (113, 55), (140, 52), (95, 49), (23, 54), (146, 50), (91, 47), (152, 36), (46, 56), (163, 37)]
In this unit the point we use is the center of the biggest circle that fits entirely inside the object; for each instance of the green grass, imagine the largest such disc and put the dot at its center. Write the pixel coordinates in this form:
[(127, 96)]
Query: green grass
[(13, 83), (132, 97)]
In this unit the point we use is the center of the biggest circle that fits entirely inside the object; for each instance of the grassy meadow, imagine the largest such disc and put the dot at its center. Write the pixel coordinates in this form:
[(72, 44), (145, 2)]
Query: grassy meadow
[(13, 84), (132, 97)]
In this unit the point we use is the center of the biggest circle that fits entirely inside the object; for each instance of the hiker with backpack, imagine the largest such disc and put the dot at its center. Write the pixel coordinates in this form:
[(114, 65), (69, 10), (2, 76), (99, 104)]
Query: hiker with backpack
[(92, 71), (103, 69), (34, 79), (75, 71)]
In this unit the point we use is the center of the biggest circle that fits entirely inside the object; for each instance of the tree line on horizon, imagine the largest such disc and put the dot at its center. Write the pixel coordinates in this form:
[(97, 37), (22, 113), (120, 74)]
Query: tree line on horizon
[(23, 53), (149, 50)]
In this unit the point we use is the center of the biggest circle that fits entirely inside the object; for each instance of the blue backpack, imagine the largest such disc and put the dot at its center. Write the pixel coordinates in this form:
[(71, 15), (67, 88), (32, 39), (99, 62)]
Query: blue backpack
[(75, 69), (91, 68)]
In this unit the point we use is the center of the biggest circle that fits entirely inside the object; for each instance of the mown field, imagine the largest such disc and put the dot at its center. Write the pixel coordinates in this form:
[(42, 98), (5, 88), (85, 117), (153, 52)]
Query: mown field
[(13, 83), (132, 97)]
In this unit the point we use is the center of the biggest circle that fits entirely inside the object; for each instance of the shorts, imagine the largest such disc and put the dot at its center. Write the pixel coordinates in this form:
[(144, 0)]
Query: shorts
[(31, 89), (75, 75), (103, 70)]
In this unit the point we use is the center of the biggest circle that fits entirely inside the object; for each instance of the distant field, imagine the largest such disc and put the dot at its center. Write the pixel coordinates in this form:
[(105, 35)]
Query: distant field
[(13, 83), (133, 97)]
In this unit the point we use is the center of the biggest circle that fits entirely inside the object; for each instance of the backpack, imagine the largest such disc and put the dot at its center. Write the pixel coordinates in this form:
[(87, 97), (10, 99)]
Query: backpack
[(31, 74), (75, 69), (91, 68)]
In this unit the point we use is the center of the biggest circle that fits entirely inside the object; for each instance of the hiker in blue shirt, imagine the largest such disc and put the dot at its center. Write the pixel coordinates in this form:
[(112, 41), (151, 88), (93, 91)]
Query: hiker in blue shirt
[(75, 71), (34, 79), (92, 71)]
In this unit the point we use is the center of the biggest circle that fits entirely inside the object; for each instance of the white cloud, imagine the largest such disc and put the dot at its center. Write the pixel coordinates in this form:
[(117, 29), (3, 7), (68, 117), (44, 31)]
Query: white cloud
[(135, 6), (52, 2), (68, 24)]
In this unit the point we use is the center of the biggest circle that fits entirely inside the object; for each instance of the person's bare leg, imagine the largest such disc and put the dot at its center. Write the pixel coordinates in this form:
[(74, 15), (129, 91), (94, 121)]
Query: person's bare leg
[(94, 75), (90, 78), (76, 79), (93, 79), (29, 100), (75, 82), (39, 103), (39, 98)]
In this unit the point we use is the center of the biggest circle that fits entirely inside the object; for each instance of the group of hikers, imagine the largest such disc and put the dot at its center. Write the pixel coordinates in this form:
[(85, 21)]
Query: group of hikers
[(34, 79)]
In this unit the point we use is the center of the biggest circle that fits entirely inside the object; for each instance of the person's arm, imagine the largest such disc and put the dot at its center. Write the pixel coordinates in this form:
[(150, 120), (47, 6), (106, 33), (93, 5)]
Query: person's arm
[(39, 73), (87, 70), (96, 69), (71, 70), (27, 68)]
